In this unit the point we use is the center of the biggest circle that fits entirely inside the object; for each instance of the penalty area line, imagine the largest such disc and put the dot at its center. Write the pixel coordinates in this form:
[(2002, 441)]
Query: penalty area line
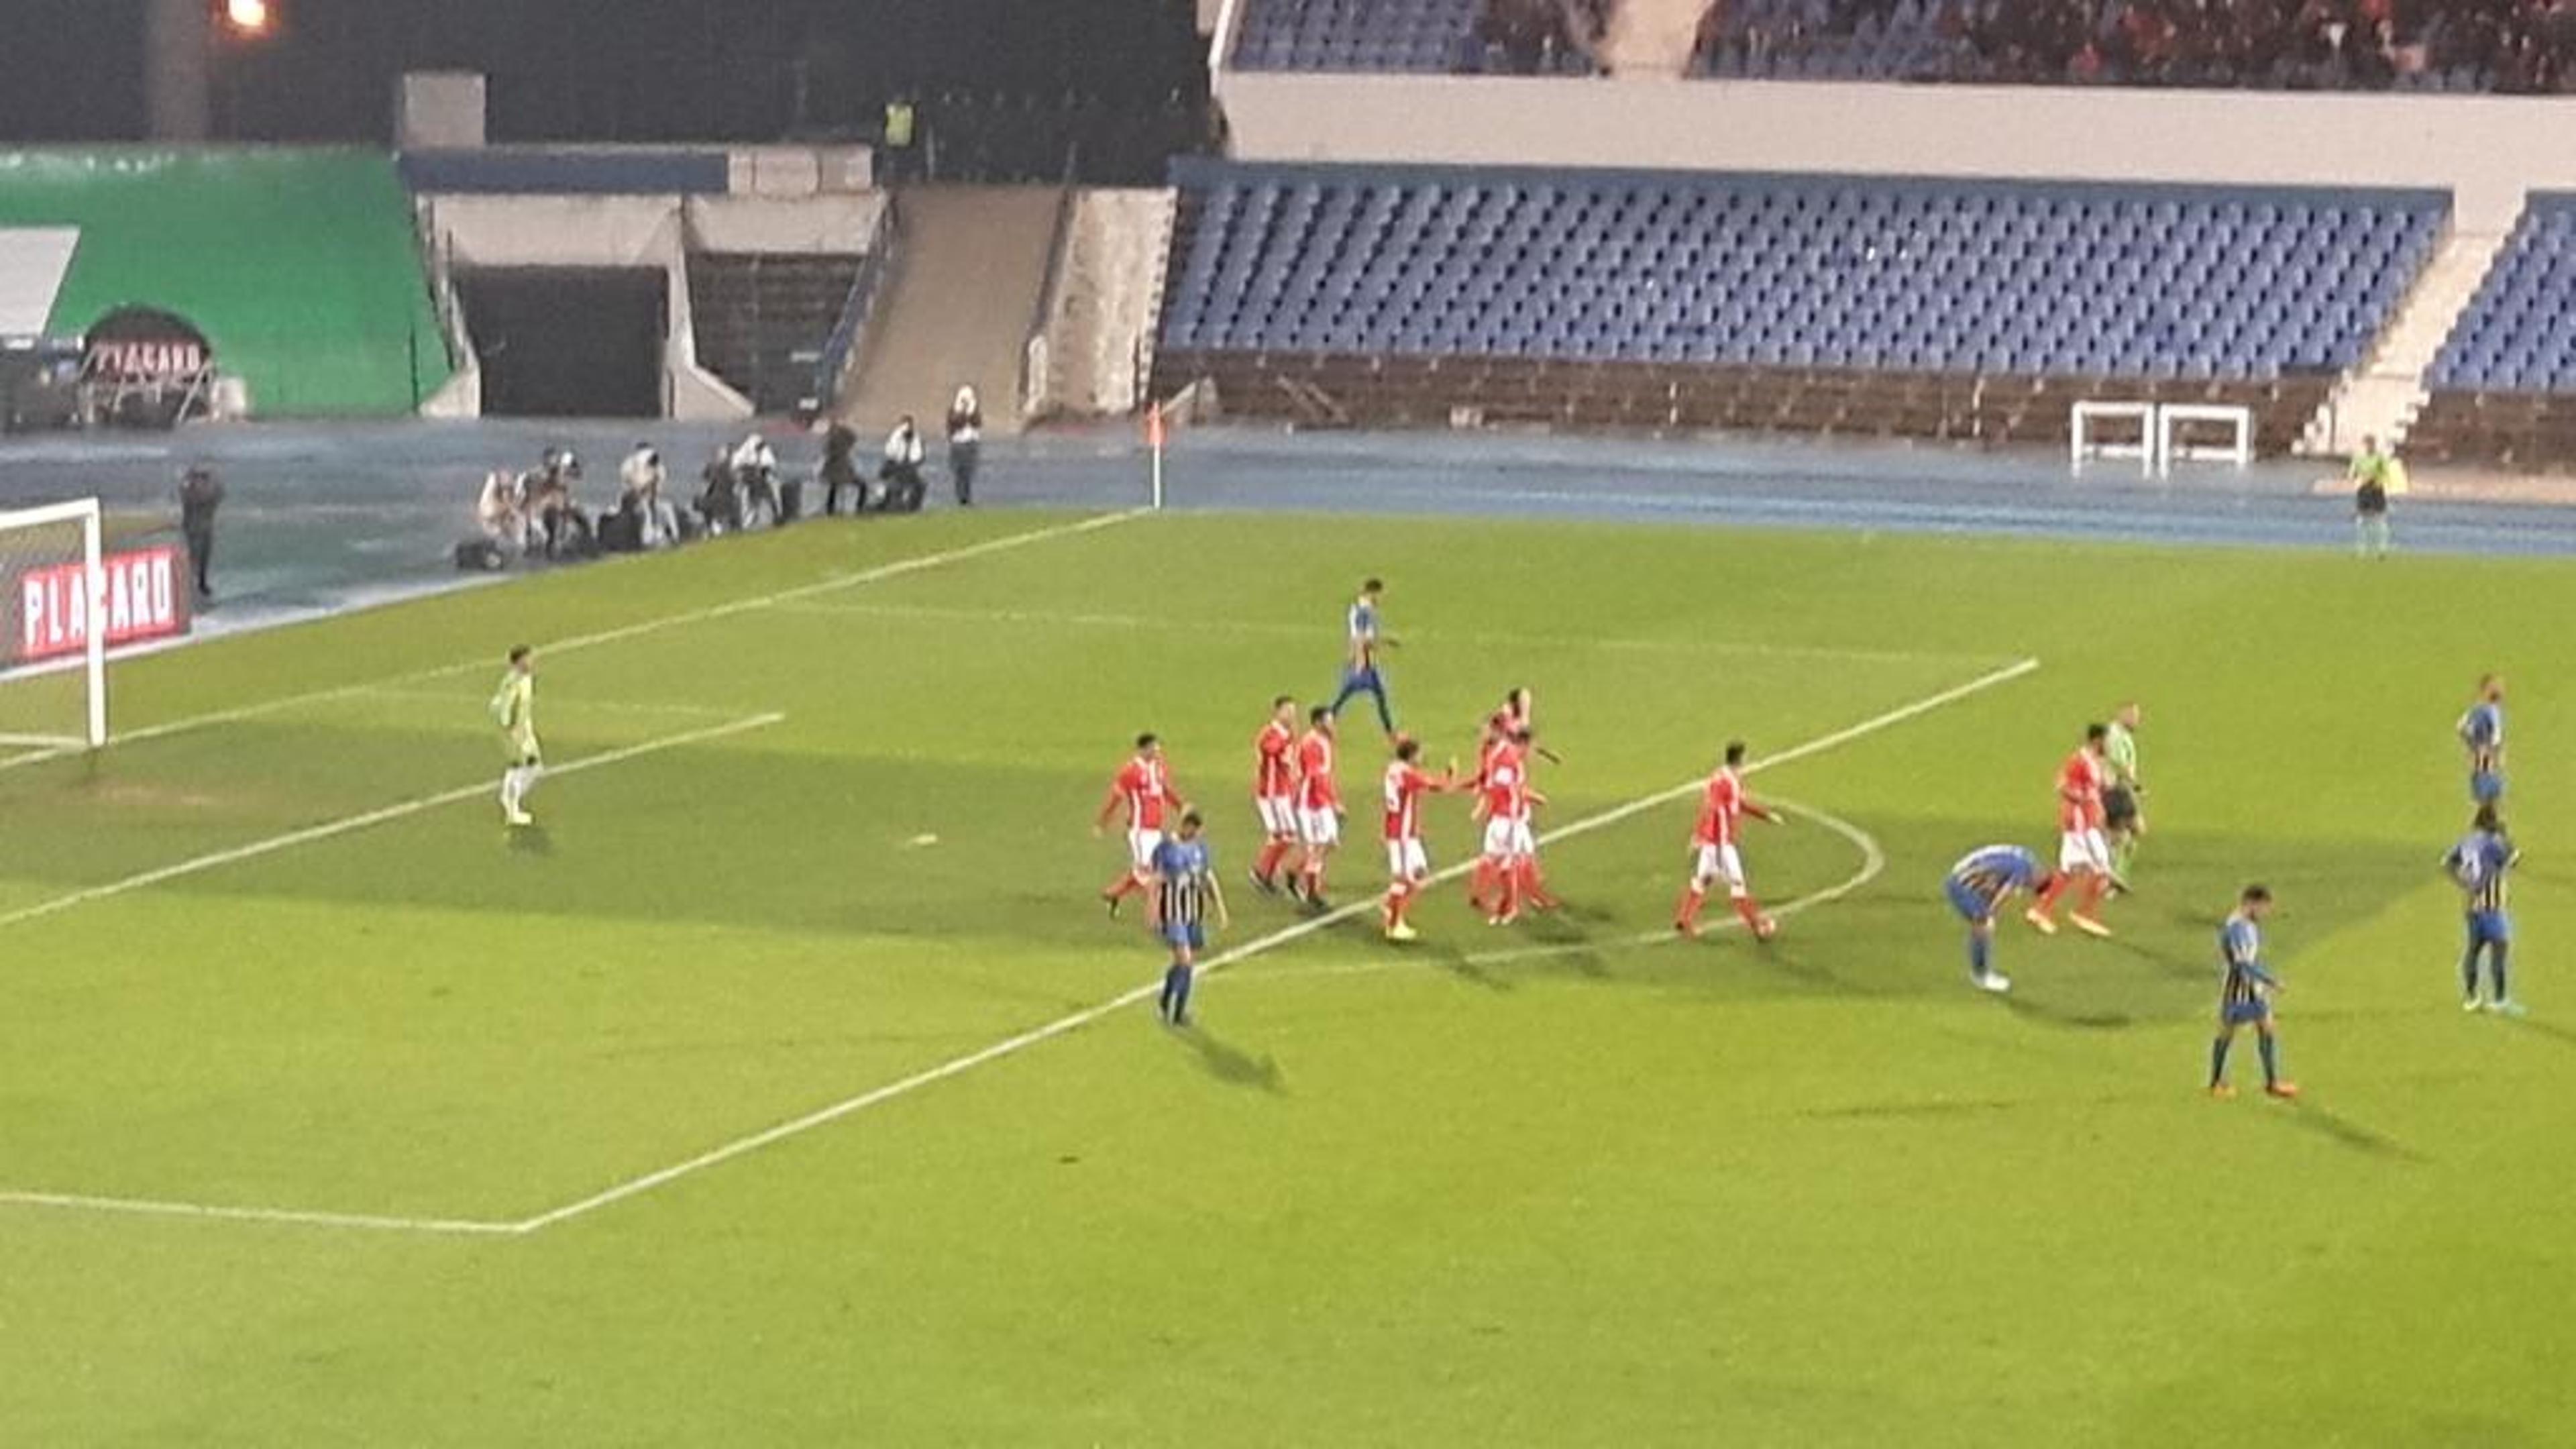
[(1259, 945)]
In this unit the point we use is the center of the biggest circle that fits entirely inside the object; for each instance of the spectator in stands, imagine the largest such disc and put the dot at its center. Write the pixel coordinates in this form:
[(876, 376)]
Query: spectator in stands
[(896, 157), (965, 443), (841, 469), (719, 500), (901, 471), (2371, 473), (200, 494)]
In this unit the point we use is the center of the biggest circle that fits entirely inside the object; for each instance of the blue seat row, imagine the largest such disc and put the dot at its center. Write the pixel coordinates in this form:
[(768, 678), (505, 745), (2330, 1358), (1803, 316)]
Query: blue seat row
[(2518, 334), (1356, 35), (2146, 281)]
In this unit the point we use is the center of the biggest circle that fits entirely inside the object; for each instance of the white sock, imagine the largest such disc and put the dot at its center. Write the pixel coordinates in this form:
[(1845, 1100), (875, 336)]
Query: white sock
[(528, 779), (510, 789)]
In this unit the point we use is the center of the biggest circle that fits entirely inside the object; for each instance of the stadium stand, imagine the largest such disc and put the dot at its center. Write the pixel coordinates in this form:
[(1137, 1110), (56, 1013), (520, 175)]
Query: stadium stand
[(300, 267), (1679, 300), (2503, 389), (2446, 45), (1514, 36), (763, 319)]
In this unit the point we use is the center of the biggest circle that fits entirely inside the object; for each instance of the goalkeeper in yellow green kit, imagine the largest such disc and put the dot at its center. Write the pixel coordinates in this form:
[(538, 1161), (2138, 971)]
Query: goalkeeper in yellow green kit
[(514, 708)]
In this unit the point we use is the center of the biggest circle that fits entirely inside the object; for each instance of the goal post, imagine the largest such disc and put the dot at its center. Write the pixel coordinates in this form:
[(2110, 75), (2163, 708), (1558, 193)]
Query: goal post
[(53, 660), (2180, 428), (2086, 440)]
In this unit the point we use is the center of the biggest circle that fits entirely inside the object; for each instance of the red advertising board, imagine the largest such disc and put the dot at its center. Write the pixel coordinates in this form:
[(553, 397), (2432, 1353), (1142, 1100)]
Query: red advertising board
[(147, 598)]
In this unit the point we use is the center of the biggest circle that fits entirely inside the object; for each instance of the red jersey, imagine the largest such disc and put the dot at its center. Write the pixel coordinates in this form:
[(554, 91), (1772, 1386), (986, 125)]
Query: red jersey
[(1272, 769), (1144, 785), (1315, 787), (2079, 792), (1721, 810), (1499, 728), (1506, 784), (1405, 783)]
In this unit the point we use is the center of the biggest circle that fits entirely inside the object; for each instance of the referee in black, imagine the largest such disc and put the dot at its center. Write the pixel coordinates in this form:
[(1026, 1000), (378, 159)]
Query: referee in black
[(200, 494)]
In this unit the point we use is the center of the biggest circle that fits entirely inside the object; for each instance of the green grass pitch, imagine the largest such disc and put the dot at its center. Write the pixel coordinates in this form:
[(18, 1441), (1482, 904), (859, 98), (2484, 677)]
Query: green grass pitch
[(1547, 1185)]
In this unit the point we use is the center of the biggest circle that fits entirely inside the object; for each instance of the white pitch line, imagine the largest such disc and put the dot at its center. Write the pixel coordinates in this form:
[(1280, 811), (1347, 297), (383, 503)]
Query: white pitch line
[(292, 1217), (559, 704), (350, 823), (1011, 1046), (1037, 617), (1873, 864), (879, 573)]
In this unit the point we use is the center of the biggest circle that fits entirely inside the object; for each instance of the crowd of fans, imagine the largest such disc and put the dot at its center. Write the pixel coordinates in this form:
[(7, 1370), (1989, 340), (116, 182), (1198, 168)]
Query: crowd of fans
[(2514, 46), (1539, 37)]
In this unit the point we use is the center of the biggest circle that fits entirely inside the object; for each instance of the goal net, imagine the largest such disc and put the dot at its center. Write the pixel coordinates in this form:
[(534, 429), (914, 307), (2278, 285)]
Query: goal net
[(59, 619)]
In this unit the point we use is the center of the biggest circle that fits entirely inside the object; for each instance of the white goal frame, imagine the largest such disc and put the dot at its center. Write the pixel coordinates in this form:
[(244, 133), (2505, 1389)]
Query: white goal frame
[(2081, 448), (2171, 447), (93, 660)]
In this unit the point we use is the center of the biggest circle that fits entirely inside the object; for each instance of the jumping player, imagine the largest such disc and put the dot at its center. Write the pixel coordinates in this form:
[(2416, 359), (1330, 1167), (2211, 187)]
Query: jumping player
[(2482, 733), (1184, 889), (2245, 997), (1978, 887), (2081, 853), (514, 709), (1722, 809), (1274, 792), (1408, 865), (2479, 863), (1319, 807), (1359, 662), (1143, 790)]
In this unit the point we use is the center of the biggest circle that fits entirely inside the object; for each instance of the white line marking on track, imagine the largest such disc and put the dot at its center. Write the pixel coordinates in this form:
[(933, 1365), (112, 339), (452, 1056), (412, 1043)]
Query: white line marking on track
[(1873, 864), (881, 572), (347, 824), (1011, 1046), (1008, 1046), (1263, 628)]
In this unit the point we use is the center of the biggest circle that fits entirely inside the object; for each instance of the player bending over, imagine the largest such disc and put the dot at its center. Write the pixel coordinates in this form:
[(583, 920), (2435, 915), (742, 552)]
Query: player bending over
[(1319, 807), (1185, 889), (514, 708), (1359, 661), (2082, 856), (1713, 854), (2482, 734), (2245, 998), (1274, 792), (1142, 790), (1978, 887), (2479, 863), (1408, 865)]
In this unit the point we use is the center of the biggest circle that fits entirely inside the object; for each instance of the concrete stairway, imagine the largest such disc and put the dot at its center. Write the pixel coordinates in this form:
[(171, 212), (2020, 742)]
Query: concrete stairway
[(1108, 298), (970, 273), (1651, 37), (2380, 397)]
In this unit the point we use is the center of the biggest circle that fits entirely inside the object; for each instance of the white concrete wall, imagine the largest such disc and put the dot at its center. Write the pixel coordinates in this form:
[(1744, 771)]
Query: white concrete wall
[(801, 226), (1108, 299), (2488, 150)]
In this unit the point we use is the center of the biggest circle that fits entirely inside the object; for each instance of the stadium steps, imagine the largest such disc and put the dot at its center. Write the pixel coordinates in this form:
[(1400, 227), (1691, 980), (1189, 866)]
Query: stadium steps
[(1652, 39), (1108, 301), (2381, 397), (958, 307), (762, 319)]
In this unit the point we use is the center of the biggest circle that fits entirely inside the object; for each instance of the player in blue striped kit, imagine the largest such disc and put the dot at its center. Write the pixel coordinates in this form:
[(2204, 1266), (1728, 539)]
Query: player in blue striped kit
[(1184, 890), (2480, 863), (1977, 887), (2482, 733), (2245, 995), (1359, 666)]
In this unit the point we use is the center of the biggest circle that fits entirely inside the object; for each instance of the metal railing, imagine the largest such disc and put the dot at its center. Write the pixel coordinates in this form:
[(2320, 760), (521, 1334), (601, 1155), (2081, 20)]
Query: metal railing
[(849, 332)]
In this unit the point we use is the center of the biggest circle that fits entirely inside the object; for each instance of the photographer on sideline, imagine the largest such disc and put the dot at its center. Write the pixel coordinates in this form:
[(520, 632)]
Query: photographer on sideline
[(901, 472)]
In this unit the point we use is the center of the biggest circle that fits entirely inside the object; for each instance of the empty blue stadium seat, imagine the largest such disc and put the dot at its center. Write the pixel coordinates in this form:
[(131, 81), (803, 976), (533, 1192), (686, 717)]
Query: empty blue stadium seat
[(2015, 277), (2519, 333), (1355, 35)]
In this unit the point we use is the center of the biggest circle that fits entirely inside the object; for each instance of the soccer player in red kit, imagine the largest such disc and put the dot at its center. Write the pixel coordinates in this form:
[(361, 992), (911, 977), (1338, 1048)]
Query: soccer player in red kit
[(1722, 809), (1408, 865), (2082, 855), (1504, 801), (1516, 717), (1142, 790), (1319, 805), (1274, 791)]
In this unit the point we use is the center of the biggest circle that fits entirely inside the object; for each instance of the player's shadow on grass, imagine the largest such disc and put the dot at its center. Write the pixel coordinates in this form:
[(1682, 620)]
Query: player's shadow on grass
[(2088, 1020), (1232, 1065), (530, 840), (2547, 1029), (2344, 1132), (1458, 961)]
